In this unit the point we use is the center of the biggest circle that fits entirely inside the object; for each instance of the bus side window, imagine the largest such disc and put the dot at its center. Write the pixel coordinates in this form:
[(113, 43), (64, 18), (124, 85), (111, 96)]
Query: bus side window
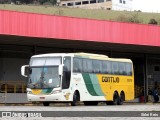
[(66, 73), (77, 65), (109, 67), (95, 66), (115, 68), (129, 69), (101, 65), (84, 63), (87, 65), (104, 67), (122, 70)]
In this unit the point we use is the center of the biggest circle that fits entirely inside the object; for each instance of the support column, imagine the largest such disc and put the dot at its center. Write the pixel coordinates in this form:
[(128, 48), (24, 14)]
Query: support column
[(145, 79)]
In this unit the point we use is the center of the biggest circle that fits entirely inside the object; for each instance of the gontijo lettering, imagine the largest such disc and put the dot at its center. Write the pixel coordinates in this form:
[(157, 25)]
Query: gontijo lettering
[(110, 79)]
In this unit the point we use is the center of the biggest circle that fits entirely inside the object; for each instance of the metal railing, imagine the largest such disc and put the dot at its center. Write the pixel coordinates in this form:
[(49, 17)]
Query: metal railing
[(13, 86), (3, 96)]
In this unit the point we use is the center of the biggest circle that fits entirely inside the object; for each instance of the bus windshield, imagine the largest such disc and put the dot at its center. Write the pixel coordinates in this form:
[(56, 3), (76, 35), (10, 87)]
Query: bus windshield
[(44, 77)]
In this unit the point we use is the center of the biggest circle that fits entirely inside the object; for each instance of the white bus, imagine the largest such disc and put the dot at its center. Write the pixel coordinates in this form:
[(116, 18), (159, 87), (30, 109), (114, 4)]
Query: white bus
[(73, 77)]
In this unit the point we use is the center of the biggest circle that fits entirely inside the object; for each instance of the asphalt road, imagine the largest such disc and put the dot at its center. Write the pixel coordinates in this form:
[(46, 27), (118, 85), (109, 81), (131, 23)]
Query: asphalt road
[(81, 112)]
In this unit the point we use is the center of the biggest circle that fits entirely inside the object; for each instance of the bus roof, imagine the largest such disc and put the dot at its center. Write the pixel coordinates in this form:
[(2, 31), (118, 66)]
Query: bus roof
[(53, 55), (100, 57), (83, 55)]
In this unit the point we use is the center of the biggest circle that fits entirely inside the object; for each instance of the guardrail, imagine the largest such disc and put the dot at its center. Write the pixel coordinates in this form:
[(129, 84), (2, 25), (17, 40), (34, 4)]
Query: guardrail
[(3, 96)]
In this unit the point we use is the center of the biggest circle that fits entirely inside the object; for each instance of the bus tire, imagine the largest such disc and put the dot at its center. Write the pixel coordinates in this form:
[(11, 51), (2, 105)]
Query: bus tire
[(121, 99), (46, 103), (90, 103), (115, 98), (76, 98)]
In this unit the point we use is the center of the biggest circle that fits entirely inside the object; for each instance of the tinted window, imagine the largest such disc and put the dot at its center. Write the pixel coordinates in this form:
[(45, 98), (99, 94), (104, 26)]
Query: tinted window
[(129, 68), (77, 65), (87, 65), (66, 72), (115, 68), (67, 64), (109, 67), (97, 66), (106, 67), (122, 70)]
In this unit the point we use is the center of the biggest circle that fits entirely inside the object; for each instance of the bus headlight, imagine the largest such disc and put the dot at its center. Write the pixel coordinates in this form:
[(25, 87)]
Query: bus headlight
[(29, 92), (56, 91)]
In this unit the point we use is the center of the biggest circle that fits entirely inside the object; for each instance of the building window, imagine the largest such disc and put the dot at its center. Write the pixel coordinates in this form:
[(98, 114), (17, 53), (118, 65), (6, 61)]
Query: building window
[(120, 1)]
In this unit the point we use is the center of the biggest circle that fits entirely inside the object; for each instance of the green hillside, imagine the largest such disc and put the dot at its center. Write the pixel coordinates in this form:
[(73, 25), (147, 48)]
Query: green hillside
[(123, 16)]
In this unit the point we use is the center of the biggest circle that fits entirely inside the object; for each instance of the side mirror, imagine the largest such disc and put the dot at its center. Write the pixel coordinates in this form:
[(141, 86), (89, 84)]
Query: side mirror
[(24, 70), (60, 69)]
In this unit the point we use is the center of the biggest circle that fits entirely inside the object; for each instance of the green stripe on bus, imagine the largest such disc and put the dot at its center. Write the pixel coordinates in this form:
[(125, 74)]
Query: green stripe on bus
[(49, 90), (89, 84), (96, 84)]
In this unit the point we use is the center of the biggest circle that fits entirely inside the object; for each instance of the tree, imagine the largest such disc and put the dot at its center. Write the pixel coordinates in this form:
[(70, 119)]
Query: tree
[(53, 2), (153, 21), (42, 1), (134, 18)]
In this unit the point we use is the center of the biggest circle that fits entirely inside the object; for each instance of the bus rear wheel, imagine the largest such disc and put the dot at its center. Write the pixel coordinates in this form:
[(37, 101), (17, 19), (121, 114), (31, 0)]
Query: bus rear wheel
[(115, 98), (121, 99), (46, 103)]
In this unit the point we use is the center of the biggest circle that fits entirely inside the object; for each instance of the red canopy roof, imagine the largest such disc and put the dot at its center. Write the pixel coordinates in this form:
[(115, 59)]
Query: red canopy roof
[(47, 26)]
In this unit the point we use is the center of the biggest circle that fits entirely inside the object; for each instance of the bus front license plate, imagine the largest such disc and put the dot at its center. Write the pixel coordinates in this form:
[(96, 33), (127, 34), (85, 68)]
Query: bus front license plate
[(42, 98)]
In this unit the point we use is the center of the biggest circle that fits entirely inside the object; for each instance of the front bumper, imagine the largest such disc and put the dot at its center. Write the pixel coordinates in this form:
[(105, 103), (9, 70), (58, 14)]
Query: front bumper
[(50, 97)]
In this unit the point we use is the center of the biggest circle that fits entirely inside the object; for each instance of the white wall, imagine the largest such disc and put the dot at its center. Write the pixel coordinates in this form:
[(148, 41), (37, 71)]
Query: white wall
[(147, 5), (135, 5), (116, 5)]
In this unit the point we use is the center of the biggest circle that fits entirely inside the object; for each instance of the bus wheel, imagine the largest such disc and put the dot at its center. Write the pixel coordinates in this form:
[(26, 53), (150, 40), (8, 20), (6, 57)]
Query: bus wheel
[(46, 103), (76, 98), (121, 99), (115, 98), (89, 103)]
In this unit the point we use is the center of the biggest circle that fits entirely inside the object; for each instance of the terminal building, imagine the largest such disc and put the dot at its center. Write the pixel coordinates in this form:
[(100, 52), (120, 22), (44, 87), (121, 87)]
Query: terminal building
[(25, 34)]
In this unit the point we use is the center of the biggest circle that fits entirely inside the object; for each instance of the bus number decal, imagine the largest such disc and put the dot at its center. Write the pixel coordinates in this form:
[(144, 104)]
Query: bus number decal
[(110, 79)]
